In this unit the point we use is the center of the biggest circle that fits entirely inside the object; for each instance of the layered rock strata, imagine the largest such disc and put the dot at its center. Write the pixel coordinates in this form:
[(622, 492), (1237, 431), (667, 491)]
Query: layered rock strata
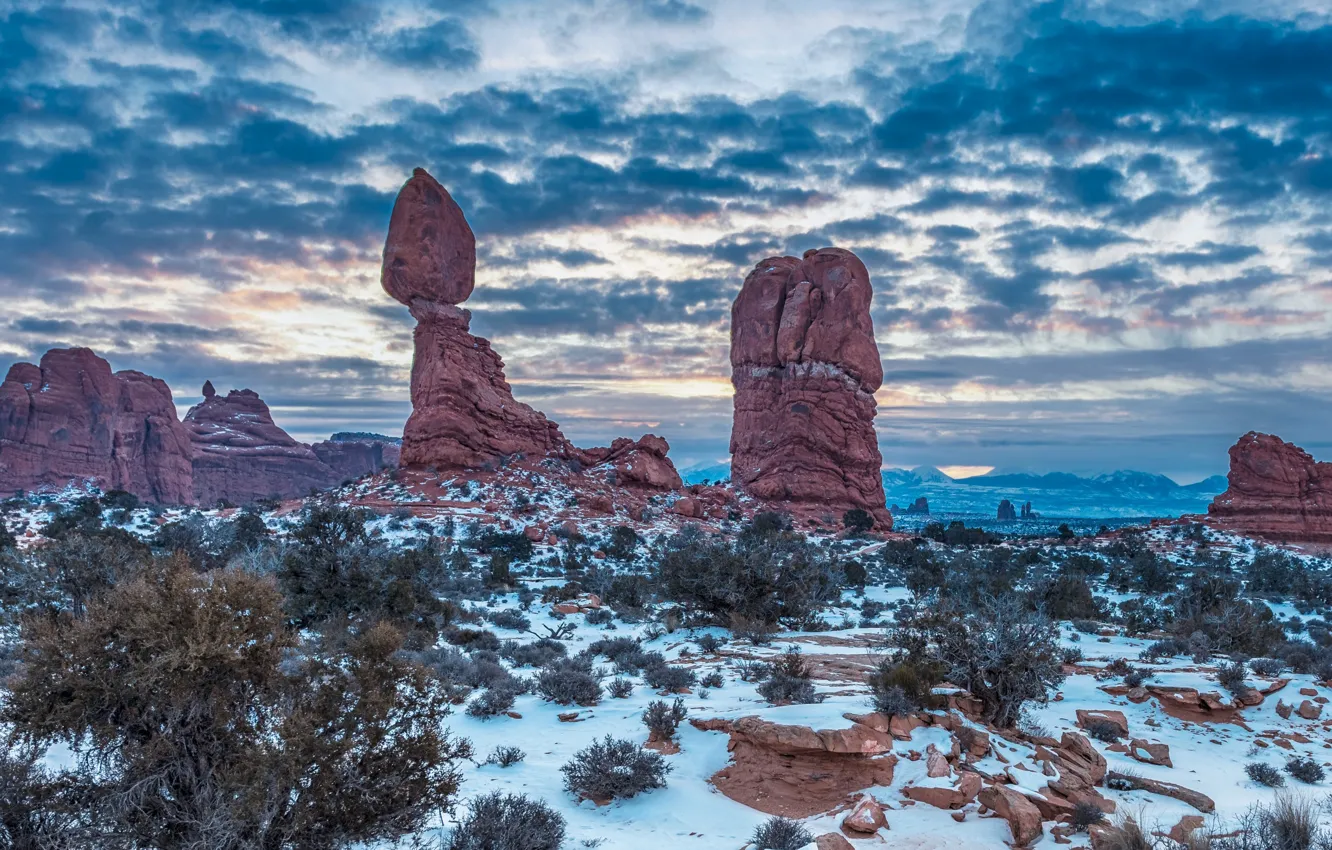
[(1277, 491)]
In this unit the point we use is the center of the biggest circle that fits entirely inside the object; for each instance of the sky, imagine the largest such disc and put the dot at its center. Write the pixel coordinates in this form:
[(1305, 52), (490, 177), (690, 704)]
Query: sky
[(1099, 234)]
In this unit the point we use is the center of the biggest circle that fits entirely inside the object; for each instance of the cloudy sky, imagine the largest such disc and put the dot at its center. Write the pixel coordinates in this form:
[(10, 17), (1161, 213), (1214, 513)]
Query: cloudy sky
[(1100, 234)]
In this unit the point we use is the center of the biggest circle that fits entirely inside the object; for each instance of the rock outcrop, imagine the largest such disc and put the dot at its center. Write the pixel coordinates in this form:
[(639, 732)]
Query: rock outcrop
[(355, 454), (464, 414), (1007, 513), (1277, 491), (240, 455), (795, 771), (72, 420), (805, 367)]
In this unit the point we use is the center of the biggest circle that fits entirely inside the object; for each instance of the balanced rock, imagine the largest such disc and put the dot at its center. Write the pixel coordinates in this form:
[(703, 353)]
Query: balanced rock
[(240, 454), (805, 366), (464, 414), (1277, 490), (72, 420)]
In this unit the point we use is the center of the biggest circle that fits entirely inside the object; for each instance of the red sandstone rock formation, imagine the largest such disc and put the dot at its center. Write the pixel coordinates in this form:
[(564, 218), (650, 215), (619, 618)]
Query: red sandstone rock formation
[(240, 454), (1277, 491), (464, 414), (805, 366), (71, 419)]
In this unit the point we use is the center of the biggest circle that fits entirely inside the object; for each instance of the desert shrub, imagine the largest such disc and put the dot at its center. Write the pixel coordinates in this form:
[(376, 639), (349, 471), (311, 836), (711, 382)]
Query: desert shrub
[(662, 720), (83, 516), (711, 680), (539, 653), (1264, 774), (569, 681), (669, 678), (779, 833), (854, 574), (1066, 596), (1230, 675), (1004, 655), (78, 567), (510, 618), (1210, 605), (492, 702), (614, 769), (763, 575), (857, 521), (40, 810), (1288, 823), (473, 639), (620, 688), (1070, 654), (753, 671), (709, 643), (1305, 770), (599, 617), (1167, 648), (789, 680), (1267, 666), (1087, 627), (215, 732), (499, 821), (1137, 677), (900, 687), (1119, 667), (513, 546), (1103, 731), (1085, 814), (1129, 834), (505, 756), (614, 649)]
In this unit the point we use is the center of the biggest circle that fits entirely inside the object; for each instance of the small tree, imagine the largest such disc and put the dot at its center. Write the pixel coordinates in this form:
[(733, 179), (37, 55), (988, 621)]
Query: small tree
[(857, 520)]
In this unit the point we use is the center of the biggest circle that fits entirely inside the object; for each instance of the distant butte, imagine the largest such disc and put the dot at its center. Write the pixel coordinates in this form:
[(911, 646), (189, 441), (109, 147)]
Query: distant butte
[(1277, 491)]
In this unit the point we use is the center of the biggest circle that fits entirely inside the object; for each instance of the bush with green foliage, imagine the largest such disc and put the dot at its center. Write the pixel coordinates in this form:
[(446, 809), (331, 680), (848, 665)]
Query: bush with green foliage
[(216, 731), (900, 687), (1305, 769), (857, 521), (789, 680), (569, 681)]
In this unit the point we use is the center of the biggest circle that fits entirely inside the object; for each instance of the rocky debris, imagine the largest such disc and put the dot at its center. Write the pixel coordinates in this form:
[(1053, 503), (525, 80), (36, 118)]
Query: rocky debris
[(805, 367), (1309, 710), (637, 463), (866, 818), (1092, 717), (241, 455), (464, 414), (796, 771), (1277, 491), (1024, 819), (1007, 513), (1149, 753), (1129, 782), (1190, 704), (71, 419)]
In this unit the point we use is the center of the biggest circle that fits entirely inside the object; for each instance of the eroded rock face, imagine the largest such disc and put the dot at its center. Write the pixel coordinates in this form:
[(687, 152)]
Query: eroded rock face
[(805, 366), (464, 414), (1277, 490), (240, 455), (72, 419)]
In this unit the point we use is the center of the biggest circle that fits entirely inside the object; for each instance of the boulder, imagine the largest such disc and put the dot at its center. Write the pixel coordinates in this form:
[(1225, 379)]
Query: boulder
[(1024, 819), (1309, 710), (1116, 719), (1126, 781), (241, 455), (1276, 490), (637, 463), (866, 818), (71, 419), (959, 794), (430, 253), (1149, 753), (832, 841), (805, 366)]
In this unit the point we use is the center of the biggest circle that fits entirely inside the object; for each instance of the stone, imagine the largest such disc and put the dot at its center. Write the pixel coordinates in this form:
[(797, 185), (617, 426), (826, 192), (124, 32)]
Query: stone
[(1024, 819), (1007, 513), (1276, 491), (936, 763), (637, 463), (1284, 709), (796, 771), (1197, 799), (71, 420), (832, 841), (1149, 753), (241, 455), (805, 366), (867, 817), (1309, 710), (962, 792), (430, 252)]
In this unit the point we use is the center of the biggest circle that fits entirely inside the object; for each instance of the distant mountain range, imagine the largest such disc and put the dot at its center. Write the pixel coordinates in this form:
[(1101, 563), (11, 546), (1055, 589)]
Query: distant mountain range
[(1124, 493)]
